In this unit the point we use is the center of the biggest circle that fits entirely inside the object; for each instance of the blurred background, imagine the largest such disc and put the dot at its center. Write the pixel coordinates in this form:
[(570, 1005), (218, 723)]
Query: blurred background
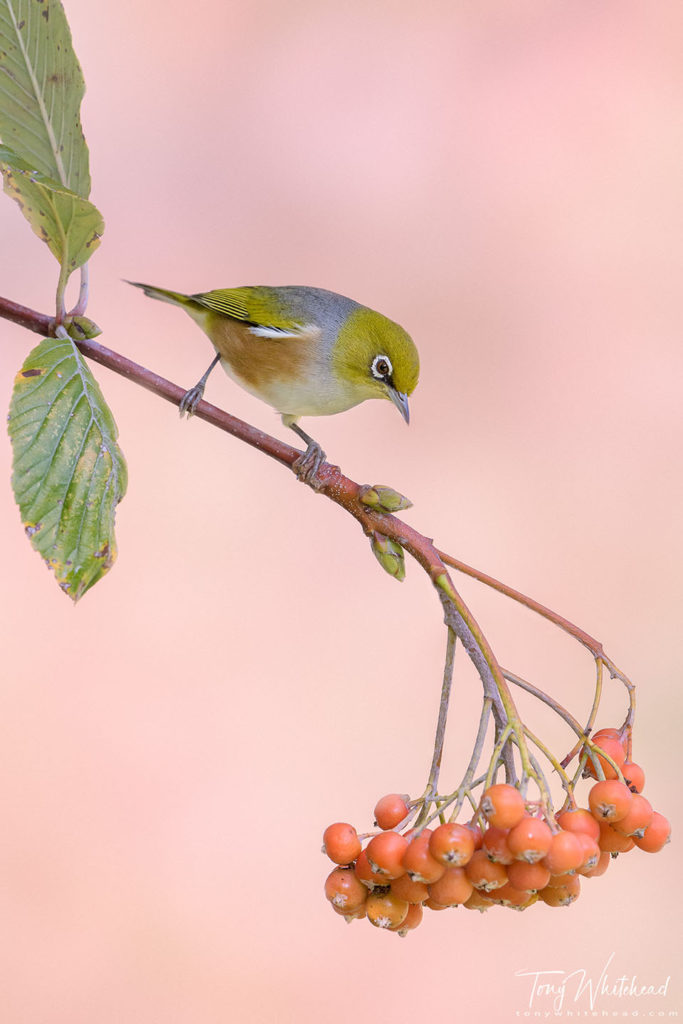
[(504, 181)]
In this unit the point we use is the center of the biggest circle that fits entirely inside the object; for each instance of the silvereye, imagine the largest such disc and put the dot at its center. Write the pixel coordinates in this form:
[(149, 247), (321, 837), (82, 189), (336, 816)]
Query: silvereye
[(305, 351)]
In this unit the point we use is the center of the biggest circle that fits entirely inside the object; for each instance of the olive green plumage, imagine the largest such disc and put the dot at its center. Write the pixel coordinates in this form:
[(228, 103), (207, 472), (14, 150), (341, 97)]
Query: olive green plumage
[(304, 351)]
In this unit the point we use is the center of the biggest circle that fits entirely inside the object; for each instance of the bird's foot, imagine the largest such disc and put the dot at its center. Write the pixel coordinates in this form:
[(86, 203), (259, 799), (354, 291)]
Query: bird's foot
[(191, 399), (307, 465)]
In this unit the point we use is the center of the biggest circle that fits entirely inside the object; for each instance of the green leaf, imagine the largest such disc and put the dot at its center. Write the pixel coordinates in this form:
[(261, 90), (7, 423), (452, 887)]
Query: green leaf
[(69, 225), (69, 473), (41, 88)]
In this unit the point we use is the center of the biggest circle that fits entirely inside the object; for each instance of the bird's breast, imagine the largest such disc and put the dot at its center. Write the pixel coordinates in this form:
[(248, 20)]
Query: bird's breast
[(292, 374)]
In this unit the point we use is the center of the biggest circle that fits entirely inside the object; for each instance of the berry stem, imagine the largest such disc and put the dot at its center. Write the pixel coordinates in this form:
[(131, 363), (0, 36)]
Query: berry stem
[(505, 713), (589, 642), (433, 780), (467, 784), (539, 778), (567, 784), (592, 716), (496, 755), (446, 685), (523, 684)]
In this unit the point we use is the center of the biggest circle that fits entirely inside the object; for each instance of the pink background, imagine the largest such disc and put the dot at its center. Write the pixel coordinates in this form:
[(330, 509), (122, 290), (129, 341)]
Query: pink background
[(504, 180)]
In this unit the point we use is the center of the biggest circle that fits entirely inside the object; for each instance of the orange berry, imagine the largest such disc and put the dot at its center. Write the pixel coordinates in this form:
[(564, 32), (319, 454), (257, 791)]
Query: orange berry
[(483, 873), (638, 817), (433, 905), (478, 901), (509, 896), (579, 820), (406, 889), (609, 800), (634, 776), (531, 898), (390, 810), (341, 843), (559, 880), (453, 888), (591, 851), (600, 867), (528, 877), (562, 895), (565, 853), (384, 909), (503, 805), (345, 891), (612, 841), (385, 853), (452, 844), (656, 834), (555, 881), (530, 840), (604, 734), (413, 833), (364, 872), (412, 919), (418, 861), (496, 846), (477, 834), (614, 748)]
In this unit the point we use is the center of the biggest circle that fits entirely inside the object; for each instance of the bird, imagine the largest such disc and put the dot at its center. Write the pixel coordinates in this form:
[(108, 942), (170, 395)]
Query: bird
[(305, 351)]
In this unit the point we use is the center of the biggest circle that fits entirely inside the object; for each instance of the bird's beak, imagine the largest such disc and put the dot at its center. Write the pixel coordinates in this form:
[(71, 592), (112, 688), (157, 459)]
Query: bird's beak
[(401, 402)]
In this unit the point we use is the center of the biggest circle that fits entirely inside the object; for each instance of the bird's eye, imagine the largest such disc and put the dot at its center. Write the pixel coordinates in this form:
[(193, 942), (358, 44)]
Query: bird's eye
[(381, 367)]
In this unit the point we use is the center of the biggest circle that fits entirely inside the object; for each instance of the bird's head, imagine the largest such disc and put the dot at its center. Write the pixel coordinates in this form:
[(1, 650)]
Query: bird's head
[(376, 358)]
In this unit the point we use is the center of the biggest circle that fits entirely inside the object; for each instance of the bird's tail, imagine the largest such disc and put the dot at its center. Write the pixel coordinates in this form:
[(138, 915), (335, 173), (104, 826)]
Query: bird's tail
[(176, 298)]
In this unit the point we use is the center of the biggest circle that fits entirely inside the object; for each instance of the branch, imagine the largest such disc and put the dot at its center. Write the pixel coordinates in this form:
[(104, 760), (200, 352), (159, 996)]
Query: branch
[(45, 326), (25, 317), (344, 492), (332, 483), (593, 645), (589, 642)]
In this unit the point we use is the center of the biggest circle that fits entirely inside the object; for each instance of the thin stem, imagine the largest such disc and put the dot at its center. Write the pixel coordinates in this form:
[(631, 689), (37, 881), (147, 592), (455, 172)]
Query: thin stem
[(458, 615), (442, 803), (584, 638), (443, 710), (546, 699), (433, 781), (597, 696), (630, 716), (82, 304), (539, 778), (580, 767), (61, 288), (564, 778), (495, 756), (466, 783), (593, 645)]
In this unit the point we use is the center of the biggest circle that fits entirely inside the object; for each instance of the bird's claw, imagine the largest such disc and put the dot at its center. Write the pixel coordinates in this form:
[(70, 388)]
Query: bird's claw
[(190, 400), (307, 465)]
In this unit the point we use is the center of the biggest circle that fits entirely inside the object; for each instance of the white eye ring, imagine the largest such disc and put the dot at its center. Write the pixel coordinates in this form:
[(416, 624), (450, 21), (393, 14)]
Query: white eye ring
[(386, 370)]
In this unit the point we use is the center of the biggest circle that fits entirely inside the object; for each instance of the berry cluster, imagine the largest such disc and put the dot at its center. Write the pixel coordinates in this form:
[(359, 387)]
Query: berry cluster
[(509, 854)]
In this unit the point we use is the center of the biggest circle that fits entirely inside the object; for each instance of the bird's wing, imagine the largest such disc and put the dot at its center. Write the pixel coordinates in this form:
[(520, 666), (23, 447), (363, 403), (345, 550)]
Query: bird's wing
[(255, 307)]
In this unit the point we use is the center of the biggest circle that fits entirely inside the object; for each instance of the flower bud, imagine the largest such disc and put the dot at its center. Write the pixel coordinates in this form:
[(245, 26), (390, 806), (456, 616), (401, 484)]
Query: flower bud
[(384, 499), (80, 327), (389, 554)]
